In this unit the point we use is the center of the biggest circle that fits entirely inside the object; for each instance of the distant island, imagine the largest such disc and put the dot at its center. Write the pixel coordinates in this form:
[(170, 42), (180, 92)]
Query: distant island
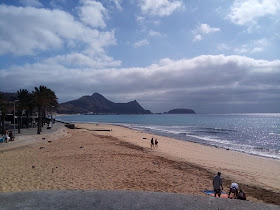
[(180, 111), (98, 104)]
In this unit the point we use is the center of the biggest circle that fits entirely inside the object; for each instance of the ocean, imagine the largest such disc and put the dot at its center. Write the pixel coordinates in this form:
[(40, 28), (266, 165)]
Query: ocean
[(257, 134)]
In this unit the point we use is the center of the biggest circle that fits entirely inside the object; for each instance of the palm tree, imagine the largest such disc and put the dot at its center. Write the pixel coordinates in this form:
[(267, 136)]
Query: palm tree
[(4, 106), (30, 107), (2, 113), (22, 105), (51, 101), (44, 98)]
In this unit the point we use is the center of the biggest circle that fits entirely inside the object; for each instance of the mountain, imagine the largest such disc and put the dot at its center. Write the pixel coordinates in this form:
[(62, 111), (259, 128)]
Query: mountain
[(181, 111), (98, 104)]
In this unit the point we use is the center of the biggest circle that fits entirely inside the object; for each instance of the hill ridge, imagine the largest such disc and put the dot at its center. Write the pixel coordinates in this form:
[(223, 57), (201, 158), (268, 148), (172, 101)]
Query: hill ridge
[(98, 104)]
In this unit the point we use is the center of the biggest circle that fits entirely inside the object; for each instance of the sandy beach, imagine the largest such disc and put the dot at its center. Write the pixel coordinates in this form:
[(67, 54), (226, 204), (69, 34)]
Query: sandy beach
[(121, 158)]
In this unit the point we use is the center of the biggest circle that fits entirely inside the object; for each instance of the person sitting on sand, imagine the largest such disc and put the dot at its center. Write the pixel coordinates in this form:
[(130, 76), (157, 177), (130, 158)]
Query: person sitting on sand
[(11, 135), (241, 195), (156, 143), (152, 143), (218, 184), (233, 189), (6, 136)]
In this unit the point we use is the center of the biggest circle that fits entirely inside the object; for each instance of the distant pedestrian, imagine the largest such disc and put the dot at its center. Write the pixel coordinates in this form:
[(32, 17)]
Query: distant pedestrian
[(218, 184), (152, 143), (156, 143)]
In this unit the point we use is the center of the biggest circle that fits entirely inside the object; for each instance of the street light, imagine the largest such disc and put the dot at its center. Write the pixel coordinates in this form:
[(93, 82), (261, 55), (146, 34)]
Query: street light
[(15, 117)]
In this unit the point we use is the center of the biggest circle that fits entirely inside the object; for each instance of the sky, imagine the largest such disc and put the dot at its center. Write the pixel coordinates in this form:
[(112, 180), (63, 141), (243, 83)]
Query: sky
[(214, 56)]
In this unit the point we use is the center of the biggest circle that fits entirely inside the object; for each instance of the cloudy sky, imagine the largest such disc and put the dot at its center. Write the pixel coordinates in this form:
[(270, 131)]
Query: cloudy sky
[(214, 56)]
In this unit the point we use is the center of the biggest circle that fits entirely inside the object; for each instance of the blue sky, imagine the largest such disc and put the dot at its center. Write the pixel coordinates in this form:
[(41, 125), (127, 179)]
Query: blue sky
[(214, 56)]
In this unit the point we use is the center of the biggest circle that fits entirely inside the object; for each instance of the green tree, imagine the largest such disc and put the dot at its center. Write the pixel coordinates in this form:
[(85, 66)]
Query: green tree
[(44, 99), (30, 108), (4, 108), (22, 105), (2, 113)]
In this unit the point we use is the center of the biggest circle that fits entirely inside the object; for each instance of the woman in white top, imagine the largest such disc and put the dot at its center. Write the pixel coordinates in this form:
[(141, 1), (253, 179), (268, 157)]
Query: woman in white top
[(233, 189), (6, 137)]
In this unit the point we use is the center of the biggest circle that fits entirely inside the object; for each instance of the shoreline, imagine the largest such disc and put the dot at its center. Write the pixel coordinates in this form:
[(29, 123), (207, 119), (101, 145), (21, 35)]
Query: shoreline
[(171, 137), (121, 159), (204, 144)]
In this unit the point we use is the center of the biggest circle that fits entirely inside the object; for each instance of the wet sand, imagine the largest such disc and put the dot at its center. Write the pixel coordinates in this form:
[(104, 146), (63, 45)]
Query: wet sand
[(122, 159)]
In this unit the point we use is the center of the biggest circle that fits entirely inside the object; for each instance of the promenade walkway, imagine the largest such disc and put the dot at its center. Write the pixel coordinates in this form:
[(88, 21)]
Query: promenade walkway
[(119, 199), (29, 136)]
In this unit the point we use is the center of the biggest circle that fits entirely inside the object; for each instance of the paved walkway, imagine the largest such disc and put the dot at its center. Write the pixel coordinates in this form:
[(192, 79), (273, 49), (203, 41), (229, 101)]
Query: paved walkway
[(29, 136), (108, 199)]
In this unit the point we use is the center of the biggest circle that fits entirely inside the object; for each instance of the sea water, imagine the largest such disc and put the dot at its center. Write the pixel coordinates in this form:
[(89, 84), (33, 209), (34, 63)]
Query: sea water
[(257, 134)]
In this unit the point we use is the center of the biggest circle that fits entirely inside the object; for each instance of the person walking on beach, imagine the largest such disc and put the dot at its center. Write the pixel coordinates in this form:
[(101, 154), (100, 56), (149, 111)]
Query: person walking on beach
[(156, 143), (218, 184), (152, 143)]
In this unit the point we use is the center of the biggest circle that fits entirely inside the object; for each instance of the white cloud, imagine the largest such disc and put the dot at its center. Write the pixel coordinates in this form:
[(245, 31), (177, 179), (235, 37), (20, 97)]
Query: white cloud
[(206, 29), (159, 7), (140, 19), (155, 33), (203, 29), (29, 31), (93, 13), (117, 3), (249, 11), (197, 37), (31, 3), (141, 43), (78, 60), (58, 4), (223, 47), (255, 46), (209, 80)]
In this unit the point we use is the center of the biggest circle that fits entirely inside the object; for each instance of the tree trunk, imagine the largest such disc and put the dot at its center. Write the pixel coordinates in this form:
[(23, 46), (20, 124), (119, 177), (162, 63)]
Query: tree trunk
[(27, 118), (43, 118), (39, 121), (3, 122), (19, 123)]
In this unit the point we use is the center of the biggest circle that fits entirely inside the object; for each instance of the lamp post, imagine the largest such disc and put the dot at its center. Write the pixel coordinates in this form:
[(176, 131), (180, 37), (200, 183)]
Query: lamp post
[(15, 117)]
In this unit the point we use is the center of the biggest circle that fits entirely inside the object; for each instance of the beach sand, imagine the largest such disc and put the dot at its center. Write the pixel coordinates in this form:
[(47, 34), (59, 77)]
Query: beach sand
[(122, 159)]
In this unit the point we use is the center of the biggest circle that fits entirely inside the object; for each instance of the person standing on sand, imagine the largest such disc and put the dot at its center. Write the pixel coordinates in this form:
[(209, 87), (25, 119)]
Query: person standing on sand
[(218, 184), (152, 143), (156, 143)]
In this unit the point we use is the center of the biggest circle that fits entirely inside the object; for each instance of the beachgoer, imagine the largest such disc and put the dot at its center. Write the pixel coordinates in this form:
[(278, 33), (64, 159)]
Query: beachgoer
[(156, 143), (241, 195), (152, 143), (6, 136), (11, 135), (218, 184), (233, 189)]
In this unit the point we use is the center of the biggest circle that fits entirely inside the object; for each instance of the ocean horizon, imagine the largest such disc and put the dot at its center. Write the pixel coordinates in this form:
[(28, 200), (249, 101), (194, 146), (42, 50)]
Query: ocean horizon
[(251, 133)]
